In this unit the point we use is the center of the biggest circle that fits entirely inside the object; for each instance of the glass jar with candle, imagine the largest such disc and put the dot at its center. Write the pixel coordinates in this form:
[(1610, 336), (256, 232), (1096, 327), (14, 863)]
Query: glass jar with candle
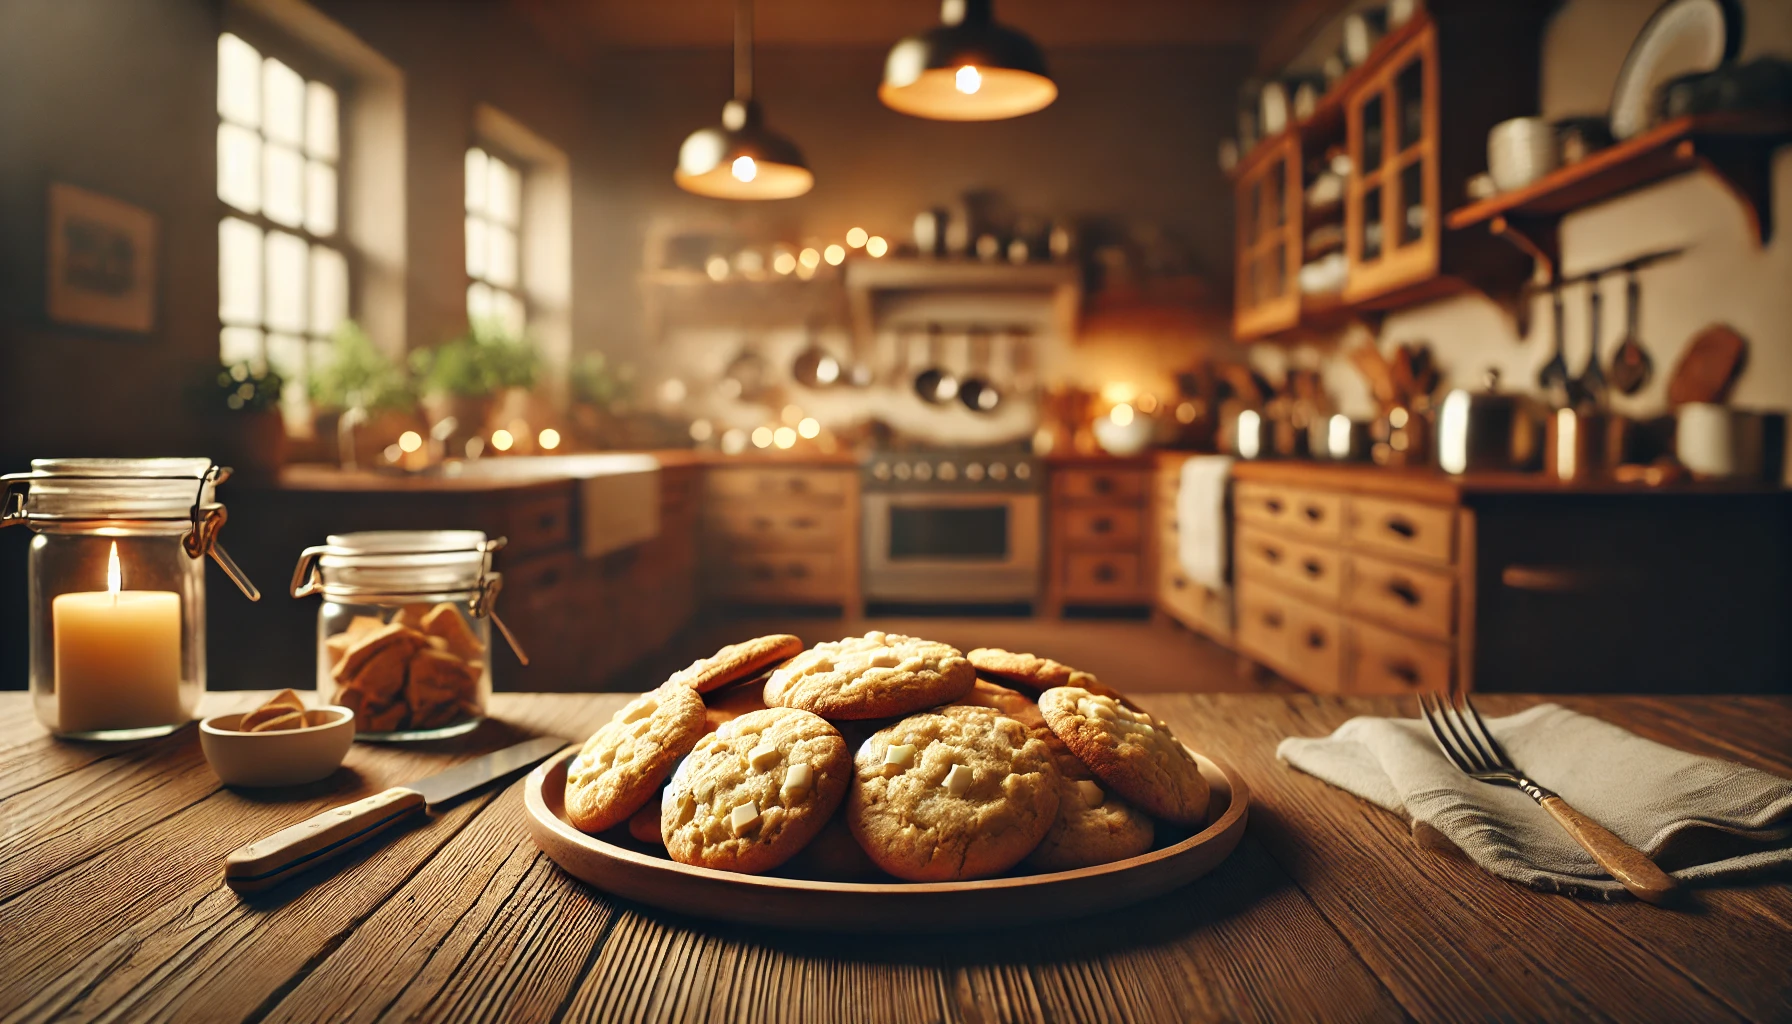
[(404, 631), (117, 590)]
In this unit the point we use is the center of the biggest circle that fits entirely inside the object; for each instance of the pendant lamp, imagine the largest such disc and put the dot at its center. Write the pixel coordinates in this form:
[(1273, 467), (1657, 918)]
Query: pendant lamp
[(742, 159), (966, 68)]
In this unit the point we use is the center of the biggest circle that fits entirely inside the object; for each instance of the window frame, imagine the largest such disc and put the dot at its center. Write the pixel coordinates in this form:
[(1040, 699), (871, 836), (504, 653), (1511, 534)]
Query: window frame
[(523, 168)]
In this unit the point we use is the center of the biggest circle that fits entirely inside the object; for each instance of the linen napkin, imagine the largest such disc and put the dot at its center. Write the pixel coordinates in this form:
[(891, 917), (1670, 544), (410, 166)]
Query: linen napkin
[(1699, 818)]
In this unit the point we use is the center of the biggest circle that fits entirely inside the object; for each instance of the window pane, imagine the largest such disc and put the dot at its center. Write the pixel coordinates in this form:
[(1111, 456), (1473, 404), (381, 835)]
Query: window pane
[(476, 247), (507, 309), (282, 103), (476, 180), (239, 81), (320, 121), (282, 185), (320, 199), (319, 356), (240, 345), (286, 282), (500, 266), (239, 272), (502, 185), (239, 168), (329, 289), (479, 302), (286, 354)]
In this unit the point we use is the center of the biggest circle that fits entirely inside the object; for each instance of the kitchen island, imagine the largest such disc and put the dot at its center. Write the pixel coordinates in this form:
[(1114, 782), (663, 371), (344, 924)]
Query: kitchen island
[(113, 903)]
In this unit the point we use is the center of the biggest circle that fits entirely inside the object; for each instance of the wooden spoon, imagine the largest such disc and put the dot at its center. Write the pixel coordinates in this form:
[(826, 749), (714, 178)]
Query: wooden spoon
[(1708, 369)]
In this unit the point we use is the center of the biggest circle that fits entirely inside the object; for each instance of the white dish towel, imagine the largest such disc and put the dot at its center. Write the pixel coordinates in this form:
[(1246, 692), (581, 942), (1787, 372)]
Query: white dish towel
[(1201, 530), (1700, 818)]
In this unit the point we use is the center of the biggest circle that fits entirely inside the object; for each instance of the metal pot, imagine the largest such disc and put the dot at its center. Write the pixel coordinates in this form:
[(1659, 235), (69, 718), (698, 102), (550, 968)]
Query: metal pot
[(1486, 430)]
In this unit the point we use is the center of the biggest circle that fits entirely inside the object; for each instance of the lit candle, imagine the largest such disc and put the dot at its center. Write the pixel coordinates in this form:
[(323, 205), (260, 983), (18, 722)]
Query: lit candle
[(117, 657)]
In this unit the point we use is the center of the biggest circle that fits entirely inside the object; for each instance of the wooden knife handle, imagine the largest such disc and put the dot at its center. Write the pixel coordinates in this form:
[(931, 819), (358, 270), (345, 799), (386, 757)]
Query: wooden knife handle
[(1624, 862), (269, 861)]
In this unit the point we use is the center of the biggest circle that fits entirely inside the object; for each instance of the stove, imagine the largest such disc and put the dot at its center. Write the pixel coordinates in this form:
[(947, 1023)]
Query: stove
[(952, 526)]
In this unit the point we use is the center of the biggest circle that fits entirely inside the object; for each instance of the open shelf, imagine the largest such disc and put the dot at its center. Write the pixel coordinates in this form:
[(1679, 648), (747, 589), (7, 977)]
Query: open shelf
[(1737, 147)]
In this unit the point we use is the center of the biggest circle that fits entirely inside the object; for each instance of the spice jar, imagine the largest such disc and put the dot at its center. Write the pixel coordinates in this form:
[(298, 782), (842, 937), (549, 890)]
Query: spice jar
[(117, 589), (404, 631)]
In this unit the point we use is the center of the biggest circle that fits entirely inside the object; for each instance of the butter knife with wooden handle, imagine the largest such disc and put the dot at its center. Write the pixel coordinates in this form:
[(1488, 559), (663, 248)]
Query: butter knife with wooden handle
[(270, 861)]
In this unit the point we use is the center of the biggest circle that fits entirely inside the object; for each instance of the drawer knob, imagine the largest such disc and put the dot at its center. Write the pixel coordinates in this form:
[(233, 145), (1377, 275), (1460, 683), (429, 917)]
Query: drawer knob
[(1403, 671), (1106, 573), (1273, 504), (803, 523), (546, 520), (1402, 526), (1272, 555), (1102, 524), (1272, 619), (798, 484), (1313, 569), (798, 571), (1405, 591), (1315, 639), (762, 523), (1102, 485), (1313, 513), (1178, 582)]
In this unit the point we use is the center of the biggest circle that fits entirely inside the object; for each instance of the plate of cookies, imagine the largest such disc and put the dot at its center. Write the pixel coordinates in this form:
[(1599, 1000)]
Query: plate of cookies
[(887, 783)]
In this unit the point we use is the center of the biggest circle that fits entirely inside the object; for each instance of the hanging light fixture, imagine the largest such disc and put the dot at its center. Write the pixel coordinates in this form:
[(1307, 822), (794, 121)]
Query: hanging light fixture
[(967, 68), (743, 159)]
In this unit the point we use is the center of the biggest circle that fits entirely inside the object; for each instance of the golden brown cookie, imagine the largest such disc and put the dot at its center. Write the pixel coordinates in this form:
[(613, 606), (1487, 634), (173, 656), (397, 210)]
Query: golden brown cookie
[(1013, 703), (726, 705), (624, 762), (878, 675), (1033, 672), (1093, 826), (1134, 753), (833, 856), (754, 792), (644, 824), (957, 793), (739, 661)]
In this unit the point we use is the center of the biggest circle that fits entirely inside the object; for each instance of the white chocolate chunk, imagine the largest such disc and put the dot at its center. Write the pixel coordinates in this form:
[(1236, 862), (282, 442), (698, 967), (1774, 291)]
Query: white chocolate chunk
[(899, 754), (883, 659), (763, 757), (797, 782), (957, 780), (743, 817), (1090, 792)]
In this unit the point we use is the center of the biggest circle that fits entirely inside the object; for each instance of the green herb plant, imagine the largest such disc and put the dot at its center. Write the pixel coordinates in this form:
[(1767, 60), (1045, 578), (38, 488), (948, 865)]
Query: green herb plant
[(358, 373), (483, 361)]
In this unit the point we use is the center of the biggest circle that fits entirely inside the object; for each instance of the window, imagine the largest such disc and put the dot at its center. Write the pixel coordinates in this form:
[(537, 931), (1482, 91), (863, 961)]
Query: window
[(283, 278), (494, 210)]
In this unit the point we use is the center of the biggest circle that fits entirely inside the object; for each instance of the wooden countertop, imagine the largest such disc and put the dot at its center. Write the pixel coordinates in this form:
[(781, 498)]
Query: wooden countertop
[(111, 890), (1442, 488)]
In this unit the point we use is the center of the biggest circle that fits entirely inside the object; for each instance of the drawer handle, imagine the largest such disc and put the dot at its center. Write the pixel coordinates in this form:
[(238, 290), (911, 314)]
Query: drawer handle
[(546, 521), (762, 523), (1102, 485), (1272, 619), (1272, 555), (1313, 513), (762, 572), (799, 571), (798, 484), (1106, 573), (1405, 591), (1315, 639), (803, 522), (1402, 526), (1313, 569), (1102, 524), (1273, 504), (1403, 671), (1178, 582)]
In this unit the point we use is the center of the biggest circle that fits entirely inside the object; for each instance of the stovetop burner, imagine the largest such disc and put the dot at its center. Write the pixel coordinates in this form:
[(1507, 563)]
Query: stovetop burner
[(1008, 468)]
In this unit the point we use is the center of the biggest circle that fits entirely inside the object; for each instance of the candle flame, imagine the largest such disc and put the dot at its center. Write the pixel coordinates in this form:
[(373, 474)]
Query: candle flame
[(113, 577)]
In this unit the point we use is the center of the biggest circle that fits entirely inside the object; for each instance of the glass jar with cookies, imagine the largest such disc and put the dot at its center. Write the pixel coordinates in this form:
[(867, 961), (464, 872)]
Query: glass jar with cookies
[(404, 631)]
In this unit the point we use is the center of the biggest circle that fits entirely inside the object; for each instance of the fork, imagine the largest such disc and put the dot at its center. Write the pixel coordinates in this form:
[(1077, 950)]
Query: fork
[(1469, 745)]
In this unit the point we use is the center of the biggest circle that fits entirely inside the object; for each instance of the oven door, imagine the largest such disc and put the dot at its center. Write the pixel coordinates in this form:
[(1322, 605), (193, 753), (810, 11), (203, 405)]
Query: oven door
[(952, 548)]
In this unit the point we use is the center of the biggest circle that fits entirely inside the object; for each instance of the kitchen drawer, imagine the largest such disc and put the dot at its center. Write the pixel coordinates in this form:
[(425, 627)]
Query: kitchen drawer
[(1115, 484), (779, 525), (538, 524), (1383, 661), (742, 482), (1298, 640), (1312, 571), (1104, 525), (1417, 600), (790, 576), (1402, 528), (1101, 575), (1315, 515), (1195, 606)]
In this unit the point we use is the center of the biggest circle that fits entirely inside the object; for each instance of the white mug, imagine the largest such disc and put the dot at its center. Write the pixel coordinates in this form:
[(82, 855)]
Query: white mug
[(1717, 441), (1520, 151)]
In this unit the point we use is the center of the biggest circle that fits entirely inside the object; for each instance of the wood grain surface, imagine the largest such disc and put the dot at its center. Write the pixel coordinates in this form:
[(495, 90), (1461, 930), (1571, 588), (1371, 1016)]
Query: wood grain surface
[(112, 905)]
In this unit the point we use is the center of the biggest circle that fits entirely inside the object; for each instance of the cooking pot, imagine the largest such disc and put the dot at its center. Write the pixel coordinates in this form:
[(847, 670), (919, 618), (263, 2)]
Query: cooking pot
[(1486, 430)]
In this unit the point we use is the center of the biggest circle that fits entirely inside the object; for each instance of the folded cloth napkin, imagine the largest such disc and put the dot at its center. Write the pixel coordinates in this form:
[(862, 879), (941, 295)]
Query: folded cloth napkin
[(1698, 818), (1201, 539)]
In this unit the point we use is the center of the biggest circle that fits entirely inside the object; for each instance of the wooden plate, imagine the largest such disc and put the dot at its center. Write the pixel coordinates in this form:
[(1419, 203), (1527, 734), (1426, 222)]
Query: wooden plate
[(882, 906)]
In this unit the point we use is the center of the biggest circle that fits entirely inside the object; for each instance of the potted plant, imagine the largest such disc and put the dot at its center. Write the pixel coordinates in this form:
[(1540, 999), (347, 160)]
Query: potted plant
[(369, 396), (463, 377), (598, 391), (241, 407)]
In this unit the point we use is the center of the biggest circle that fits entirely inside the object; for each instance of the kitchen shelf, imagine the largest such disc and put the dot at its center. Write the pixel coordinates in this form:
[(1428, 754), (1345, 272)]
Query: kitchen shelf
[(866, 280), (1737, 147)]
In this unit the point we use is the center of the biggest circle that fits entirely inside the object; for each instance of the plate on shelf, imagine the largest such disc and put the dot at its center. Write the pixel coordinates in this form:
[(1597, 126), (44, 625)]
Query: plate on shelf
[(1682, 37), (779, 901)]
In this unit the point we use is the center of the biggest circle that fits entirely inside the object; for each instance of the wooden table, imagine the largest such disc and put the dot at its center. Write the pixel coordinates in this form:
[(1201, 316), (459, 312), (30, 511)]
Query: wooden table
[(111, 906)]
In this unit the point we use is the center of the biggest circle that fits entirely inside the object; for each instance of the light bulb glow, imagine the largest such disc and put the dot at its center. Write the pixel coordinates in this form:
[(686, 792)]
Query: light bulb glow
[(114, 577), (502, 440), (1121, 414), (968, 80), (762, 437), (744, 169), (410, 441), (549, 439), (876, 246), (784, 437), (835, 255), (809, 427), (856, 237), (783, 263)]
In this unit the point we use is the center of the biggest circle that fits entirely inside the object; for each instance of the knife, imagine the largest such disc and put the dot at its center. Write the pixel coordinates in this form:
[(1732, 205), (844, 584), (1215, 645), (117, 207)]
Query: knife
[(269, 861)]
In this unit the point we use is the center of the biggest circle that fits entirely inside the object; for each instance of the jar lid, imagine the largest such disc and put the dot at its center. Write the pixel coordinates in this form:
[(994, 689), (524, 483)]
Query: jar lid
[(398, 563), (74, 489)]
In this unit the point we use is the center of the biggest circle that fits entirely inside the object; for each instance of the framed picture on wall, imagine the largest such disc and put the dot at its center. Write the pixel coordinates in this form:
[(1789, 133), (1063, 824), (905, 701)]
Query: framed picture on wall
[(102, 261)]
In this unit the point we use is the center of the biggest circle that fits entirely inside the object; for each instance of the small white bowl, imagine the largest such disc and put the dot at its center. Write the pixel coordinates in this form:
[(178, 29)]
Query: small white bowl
[(289, 757)]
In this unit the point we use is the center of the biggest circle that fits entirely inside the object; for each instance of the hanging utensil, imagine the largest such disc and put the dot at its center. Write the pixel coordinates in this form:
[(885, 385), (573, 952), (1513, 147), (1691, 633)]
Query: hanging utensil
[(935, 384), (1592, 379), (978, 391), (1631, 365), (815, 367), (1553, 378)]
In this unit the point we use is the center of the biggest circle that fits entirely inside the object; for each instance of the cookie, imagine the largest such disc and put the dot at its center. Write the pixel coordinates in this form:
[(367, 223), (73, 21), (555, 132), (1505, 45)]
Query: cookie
[(834, 856), (1014, 704), (644, 824), (754, 792), (957, 793), (1093, 826), (624, 762), (739, 661), (727, 705), (1033, 672), (1133, 753), (878, 675), (371, 643)]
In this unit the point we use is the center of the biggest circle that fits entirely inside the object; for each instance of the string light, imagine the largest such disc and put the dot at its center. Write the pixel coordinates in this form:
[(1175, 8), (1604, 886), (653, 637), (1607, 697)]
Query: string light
[(784, 437), (809, 427), (762, 437), (410, 441), (876, 246), (856, 237), (835, 255), (810, 258), (502, 440), (549, 439), (783, 263)]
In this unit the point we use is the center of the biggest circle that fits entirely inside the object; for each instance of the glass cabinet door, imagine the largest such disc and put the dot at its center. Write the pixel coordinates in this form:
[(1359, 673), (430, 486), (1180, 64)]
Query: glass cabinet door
[(1392, 213), (1268, 227)]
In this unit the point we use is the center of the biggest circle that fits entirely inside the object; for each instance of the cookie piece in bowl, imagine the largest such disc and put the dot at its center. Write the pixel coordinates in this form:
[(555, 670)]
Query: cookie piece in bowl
[(755, 792), (958, 793), (1130, 751), (739, 661), (878, 675), (1093, 826), (1031, 672), (622, 765)]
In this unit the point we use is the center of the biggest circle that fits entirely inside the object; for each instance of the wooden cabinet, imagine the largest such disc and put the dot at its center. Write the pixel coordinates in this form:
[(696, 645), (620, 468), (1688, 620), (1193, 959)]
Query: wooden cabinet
[(1100, 541), (1268, 224), (1392, 214), (782, 535)]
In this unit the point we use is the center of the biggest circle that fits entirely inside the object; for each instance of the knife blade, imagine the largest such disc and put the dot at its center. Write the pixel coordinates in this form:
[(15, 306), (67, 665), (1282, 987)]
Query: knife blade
[(267, 862)]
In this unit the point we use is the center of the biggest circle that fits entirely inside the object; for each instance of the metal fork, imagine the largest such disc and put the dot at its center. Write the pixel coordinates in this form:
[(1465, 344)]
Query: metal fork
[(1469, 745)]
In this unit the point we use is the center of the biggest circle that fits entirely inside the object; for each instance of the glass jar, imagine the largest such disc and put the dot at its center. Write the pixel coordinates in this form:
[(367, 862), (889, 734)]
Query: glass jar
[(404, 631), (117, 590)]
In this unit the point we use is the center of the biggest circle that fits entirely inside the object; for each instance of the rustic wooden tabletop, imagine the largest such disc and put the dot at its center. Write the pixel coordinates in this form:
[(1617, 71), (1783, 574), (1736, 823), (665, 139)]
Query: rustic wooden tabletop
[(111, 906)]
